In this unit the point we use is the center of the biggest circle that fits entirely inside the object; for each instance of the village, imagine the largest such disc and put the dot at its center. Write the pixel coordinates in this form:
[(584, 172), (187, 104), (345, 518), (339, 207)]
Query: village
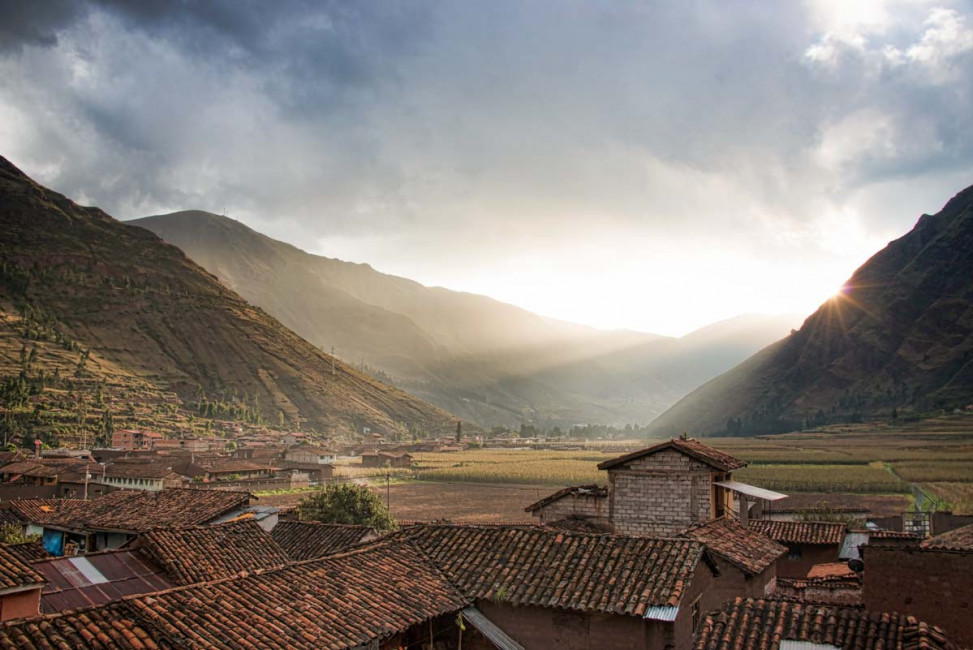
[(161, 543)]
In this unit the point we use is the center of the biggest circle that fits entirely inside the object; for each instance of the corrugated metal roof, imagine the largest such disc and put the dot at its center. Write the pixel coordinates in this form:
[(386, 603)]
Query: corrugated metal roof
[(487, 628), (786, 644), (662, 613), (752, 490), (849, 547), (97, 579)]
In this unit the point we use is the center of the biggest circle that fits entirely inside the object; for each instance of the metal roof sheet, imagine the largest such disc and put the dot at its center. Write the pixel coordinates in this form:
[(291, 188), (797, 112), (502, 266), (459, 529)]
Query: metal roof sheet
[(96, 579), (488, 628), (752, 490), (662, 613), (849, 547)]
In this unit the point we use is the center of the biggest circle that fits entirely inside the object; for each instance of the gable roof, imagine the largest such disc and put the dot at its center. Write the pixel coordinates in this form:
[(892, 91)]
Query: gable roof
[(342, 601), (535, 566), (801, 532), (202, 553), (960, 539), (306, 540), (689, 446), (15, 574), (594, 491), (132, 511), (749, 551), (750, 624), (28, 552)]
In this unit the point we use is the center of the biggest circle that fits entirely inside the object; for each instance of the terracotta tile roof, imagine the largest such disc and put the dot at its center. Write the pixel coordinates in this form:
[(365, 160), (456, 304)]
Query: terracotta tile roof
[(29, 551), (305, 540), (889, 534), (576, 491), (204, 553), (748, 624), (745, 549), (133, 470), (690, 447), (342, 601), (537, 566), (830, 570), (97, 578), (15, 573), (132, 511), (960, 539), (40, 511), (801, 532)]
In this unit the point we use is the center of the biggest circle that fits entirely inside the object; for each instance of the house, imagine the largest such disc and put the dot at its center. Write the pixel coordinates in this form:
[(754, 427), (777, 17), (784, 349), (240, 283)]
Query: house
[(383, 596), (190, 443), (385, 459), (587, 504), (930, 580), (306, 540), (75, 526), (550, 588), (295, 438), (202, 553), (757, 624), (136, 476), (755, 557), (808, 543), (310, 455), (20, 587), (135, 438)]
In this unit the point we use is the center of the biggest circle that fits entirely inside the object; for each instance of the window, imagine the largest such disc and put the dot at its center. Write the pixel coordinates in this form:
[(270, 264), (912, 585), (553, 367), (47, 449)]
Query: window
[(696, 614), (794, 553)]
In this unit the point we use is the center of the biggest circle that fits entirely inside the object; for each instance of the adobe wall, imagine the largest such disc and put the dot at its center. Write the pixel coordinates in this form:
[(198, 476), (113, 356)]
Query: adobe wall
[(20, 605), (811, 554), (662, 494), (934, 586), (542, 628), (572, 507)]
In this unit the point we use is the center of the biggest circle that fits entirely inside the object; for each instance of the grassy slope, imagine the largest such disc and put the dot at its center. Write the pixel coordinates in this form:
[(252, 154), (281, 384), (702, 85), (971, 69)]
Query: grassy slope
[(141, 304)]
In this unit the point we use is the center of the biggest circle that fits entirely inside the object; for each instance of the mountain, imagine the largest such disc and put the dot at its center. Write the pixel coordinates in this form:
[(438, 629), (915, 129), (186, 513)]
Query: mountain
[(482, 359), (118, 295), (897, 340)]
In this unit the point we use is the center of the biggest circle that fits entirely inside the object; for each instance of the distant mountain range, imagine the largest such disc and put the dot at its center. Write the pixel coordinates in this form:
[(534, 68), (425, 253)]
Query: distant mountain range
[(75, 282), (898, 342), (487, 361)]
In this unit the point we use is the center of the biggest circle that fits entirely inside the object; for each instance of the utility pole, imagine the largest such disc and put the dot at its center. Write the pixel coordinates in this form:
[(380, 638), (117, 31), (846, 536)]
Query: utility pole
[(388, 490), (332, 361), (86, 481)]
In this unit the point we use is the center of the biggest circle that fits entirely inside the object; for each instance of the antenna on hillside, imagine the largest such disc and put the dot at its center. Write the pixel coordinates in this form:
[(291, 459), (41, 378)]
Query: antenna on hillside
[(332, 361)]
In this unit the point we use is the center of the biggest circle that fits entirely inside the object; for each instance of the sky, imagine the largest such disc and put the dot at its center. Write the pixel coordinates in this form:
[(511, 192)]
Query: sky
[(655, 166)]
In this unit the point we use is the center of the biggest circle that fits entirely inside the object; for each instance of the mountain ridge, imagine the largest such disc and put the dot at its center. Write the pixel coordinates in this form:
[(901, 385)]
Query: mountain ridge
[(896, 342), (139, 302), (473, 355)]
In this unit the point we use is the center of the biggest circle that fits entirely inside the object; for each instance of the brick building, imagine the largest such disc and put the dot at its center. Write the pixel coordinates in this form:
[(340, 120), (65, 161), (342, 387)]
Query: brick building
[(932, 581), (808, 543), (549, 588), (667, 488)]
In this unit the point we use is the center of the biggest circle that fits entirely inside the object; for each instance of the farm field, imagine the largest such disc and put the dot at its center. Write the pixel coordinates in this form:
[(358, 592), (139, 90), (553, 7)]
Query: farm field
[(874, 466), (457, 502)]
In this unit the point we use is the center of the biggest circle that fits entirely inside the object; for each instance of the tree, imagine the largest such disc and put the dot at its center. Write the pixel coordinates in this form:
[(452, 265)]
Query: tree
[(11, 534), (345, 503)]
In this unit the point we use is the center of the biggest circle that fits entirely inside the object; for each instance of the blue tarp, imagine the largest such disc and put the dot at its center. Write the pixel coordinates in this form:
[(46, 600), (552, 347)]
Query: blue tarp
[(54, 542)]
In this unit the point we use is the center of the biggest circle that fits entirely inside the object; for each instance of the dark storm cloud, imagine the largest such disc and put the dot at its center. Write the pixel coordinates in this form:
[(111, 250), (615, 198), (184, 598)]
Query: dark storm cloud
[(459, 131), (35, 23)]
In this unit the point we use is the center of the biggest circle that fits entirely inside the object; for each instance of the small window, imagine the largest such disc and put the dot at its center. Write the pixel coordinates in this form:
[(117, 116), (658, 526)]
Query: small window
[(794, 553), (696, 614)]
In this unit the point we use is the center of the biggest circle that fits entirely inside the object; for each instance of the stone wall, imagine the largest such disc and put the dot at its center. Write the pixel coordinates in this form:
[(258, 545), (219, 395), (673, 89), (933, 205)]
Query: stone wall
[(575, 507), (661, 494)]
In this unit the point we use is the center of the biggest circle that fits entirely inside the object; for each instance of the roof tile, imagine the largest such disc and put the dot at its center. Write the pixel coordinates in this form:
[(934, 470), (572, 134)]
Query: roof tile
[(746, 549)]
